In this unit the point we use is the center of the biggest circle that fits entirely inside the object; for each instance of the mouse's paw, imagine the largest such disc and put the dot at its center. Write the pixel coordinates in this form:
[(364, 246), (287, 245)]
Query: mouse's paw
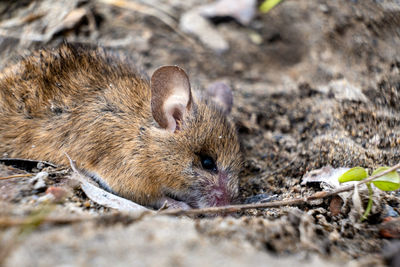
[(169, 203)]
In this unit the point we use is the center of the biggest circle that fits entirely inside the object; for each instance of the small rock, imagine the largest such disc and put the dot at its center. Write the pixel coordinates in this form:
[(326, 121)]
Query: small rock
[(40, 165), (334, 236), (86, 204), (39, 180), (390, 212), (260, 198), (324, 8), (375, 140), (335, 205), (256, 38), (238, 66), (59, 193), (343, 90), (390, 228)]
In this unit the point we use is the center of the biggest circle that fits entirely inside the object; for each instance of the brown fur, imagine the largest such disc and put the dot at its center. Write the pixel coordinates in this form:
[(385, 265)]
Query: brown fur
[(95, 107)]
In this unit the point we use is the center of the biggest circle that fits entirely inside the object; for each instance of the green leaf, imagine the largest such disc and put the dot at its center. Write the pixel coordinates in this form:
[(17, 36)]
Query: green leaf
[(388, 182), (267, 5), (354, 174)]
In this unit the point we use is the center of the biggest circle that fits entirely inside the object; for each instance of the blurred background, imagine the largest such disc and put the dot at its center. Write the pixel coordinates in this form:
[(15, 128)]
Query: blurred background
[(315, 83)]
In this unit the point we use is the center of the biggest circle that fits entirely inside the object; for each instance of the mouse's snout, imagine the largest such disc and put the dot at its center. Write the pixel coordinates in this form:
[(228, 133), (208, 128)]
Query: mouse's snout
[(221, 190)]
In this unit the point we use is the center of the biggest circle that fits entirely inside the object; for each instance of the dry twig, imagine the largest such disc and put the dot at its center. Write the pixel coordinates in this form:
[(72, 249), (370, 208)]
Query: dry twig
[(17, 176), (216, 210), (275, 204)]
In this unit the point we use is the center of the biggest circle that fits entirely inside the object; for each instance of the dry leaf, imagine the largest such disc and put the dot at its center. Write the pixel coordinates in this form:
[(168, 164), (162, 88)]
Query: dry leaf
[(102, 197)]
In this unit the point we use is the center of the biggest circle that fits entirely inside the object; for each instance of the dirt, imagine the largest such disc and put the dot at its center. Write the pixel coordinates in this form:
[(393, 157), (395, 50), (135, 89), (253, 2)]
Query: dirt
[(316, 83)]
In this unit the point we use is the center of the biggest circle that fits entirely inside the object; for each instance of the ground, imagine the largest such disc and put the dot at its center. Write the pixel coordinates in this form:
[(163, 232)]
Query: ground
[(316, 83)]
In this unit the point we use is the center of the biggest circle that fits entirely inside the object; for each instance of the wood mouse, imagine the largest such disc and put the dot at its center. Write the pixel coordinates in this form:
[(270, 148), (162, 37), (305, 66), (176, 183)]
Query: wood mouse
[(150, 141)]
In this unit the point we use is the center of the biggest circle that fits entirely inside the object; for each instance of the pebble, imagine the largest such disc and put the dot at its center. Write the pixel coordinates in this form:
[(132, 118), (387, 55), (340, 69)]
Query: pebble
[(86, 204), (344, 90), (335, 205), (260, 198), (59, 193), (39, 181), (390, 212), (334, 236), (390, 228)]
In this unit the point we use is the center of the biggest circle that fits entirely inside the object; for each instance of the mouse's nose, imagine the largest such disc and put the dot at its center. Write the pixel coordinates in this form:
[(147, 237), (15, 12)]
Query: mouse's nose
[(220, 194)]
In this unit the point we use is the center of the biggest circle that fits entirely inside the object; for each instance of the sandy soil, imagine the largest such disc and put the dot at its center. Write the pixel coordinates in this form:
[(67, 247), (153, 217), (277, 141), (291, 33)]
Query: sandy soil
[(316, 83)]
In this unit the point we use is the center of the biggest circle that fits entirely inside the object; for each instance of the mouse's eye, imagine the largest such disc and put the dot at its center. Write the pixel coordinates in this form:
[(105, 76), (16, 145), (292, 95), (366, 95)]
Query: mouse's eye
[(208, 163)]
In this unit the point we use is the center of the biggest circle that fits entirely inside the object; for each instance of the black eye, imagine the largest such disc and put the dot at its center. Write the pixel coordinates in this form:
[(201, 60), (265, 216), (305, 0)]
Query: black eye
[(208, 163)]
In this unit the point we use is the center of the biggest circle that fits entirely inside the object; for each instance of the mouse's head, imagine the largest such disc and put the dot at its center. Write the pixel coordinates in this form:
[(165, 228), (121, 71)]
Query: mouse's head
[(201, 158)]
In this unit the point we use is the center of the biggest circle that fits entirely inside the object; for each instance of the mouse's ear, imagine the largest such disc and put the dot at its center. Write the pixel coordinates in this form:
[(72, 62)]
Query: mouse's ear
[(221, 94), (171, 96)]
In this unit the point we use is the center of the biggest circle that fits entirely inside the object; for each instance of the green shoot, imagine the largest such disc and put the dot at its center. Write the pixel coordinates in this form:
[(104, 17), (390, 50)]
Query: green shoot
[(267, 5), (370, 201), (388, 182)]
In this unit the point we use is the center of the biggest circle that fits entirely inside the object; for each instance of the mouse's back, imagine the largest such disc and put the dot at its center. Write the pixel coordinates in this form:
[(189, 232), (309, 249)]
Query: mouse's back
[(47, 96)]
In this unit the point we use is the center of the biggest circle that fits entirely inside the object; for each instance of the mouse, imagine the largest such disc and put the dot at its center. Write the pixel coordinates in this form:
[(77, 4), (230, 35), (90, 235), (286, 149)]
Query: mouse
[(153, 140)]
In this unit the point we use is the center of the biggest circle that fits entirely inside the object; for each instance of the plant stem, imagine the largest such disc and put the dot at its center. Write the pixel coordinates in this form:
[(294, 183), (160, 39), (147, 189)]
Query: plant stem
[(370, 201)]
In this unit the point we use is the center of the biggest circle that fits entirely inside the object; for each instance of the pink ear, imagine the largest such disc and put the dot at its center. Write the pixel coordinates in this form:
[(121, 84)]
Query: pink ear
[(171, 96), (221, 94)]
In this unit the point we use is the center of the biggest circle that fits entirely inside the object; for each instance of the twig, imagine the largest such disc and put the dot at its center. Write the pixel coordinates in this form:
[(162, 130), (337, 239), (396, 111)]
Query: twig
[(234, 208), (237, 208), (275, 204), (16, 176), (4, 221)]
